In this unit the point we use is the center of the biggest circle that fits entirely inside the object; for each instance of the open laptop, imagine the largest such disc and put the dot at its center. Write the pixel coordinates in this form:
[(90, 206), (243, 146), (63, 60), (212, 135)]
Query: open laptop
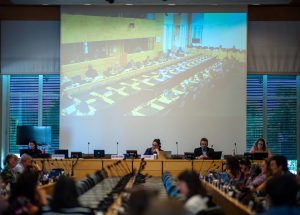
[(62, 152), (256, 155), (99, 153), (76, 154), (217, 155), (165, 154)]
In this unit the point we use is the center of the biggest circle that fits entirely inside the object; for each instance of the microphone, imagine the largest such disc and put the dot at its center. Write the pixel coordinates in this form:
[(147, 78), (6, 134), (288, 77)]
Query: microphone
[(234, 151), (177, 147), (117, 148), (88, 148), (212, 146)]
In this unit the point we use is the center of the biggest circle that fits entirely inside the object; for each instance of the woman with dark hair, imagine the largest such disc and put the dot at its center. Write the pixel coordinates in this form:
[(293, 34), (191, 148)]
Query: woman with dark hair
[(33, 150), (260, 146), (65, 199), (155, 149), (25, 198), (190, 186)]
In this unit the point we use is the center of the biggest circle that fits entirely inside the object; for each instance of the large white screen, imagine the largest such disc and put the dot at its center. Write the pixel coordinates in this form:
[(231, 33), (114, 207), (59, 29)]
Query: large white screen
[(135, 77)]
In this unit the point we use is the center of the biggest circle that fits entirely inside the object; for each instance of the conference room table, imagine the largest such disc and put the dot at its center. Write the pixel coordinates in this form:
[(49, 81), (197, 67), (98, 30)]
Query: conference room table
[(80, 168)]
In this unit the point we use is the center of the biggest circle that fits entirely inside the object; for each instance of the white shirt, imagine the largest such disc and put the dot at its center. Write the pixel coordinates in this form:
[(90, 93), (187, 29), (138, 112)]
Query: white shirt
[(195, 204)]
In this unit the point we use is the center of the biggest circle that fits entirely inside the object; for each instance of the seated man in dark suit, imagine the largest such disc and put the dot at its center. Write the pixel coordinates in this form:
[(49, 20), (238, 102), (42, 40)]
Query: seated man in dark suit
[(203, 152)]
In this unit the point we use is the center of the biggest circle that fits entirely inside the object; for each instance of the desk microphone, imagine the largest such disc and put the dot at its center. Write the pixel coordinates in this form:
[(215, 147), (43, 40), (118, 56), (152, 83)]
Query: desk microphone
[(177, 147), (212, 146), (88, 148), (117, 148), (235, 147)]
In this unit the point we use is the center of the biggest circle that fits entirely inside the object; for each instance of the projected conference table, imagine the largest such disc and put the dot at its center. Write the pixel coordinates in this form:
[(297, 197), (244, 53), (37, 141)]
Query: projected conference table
[(82, 167)]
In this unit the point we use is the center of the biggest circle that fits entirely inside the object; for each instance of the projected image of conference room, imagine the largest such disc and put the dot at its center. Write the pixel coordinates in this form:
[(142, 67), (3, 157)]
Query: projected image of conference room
[(152, 64)]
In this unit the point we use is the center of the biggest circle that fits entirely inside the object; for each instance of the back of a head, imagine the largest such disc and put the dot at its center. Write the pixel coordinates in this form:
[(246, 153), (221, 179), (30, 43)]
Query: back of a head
[(233, 164), (167, 207), (191, 178), (26, 185), (65, 194), (140, 200), (282, 190)]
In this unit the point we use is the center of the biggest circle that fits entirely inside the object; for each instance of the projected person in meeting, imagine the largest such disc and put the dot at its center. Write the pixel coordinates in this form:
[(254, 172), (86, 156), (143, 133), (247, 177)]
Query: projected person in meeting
[(203, 152), (33, 150), (155, 149), (260, 147)]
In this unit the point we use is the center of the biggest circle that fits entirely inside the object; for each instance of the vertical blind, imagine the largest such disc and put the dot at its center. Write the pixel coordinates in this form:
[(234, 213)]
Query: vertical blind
[(272, 112), (24, 109)]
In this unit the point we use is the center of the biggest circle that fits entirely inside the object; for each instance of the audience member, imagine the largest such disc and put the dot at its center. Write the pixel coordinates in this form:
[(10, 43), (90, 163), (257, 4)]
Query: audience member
[(232, 168), (278, 165), (8, 174), (155, 149), (140, 200), (260, 146), (167, 207), (190, 186), (265, 173), (203, 151), (245, 166), (33, 149), (298, 173), (65, 199), (25, 198), (282, 191), (26, 162)]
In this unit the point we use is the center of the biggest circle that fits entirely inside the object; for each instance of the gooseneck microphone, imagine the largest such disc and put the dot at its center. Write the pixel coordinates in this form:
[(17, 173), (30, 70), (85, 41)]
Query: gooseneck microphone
[(117, 148), (177, 147), (235, 148), (88, 148)]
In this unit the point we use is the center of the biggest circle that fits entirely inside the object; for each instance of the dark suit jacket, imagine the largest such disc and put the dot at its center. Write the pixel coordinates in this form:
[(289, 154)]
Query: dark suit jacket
[(198, 152)]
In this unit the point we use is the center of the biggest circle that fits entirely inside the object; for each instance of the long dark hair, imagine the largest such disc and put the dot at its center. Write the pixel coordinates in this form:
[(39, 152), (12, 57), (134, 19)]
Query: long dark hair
[(191, 178), (35, 144), (65, 194), (264, 144)]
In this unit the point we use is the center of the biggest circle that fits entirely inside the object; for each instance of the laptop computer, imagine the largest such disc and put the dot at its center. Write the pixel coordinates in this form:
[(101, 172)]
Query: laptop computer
[(217, 155), (165, 154), (99, 153), (189, 155), (62, 152), (256, 155), (76, 154), (131, 154)]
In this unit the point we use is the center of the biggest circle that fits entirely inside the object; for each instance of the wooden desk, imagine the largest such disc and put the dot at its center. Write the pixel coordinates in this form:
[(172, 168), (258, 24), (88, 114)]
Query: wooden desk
[(230, 205), (83, 167)]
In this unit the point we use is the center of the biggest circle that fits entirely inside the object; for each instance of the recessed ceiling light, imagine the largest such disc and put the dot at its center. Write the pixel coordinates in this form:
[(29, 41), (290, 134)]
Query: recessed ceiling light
[(87, 4), (171, 4), (128, 4)]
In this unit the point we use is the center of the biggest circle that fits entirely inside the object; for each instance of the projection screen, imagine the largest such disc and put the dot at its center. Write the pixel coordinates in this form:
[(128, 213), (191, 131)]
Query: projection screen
[(128, 77)]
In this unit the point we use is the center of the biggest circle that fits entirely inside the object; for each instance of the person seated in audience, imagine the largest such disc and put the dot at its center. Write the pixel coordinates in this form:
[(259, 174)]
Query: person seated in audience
[(8, 174), (260, 146), (33, 149), (265, 173), (65, 199), (232, 168), (191, 187), (26, 198), (166, 207), (155, 149), (204, 152), (282, 191), (245, 166), (26, 162), (279, 165), (3, 194), (140, 200)]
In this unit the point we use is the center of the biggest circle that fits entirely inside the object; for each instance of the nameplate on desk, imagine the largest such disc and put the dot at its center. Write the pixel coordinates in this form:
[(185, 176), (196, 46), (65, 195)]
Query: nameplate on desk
[(148, 157), (117, 157), (58, 156)]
